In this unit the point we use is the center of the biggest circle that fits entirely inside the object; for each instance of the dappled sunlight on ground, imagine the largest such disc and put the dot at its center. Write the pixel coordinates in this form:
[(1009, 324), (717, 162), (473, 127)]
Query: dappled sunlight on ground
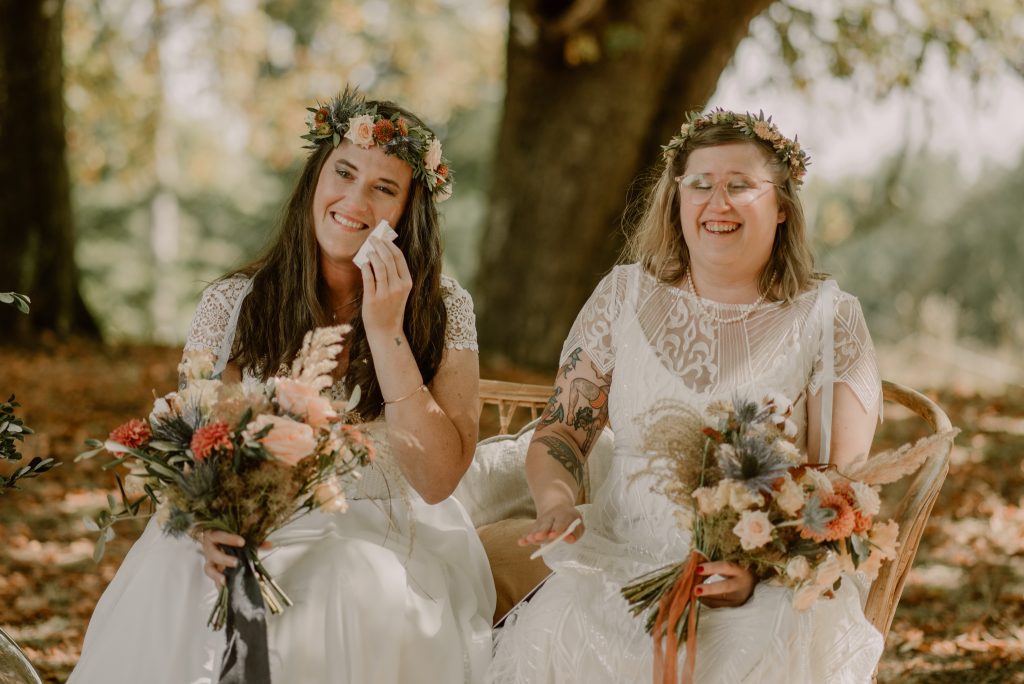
[(961, 618)]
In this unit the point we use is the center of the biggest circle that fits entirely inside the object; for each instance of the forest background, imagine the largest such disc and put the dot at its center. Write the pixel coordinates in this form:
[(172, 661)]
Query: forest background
[(147, 146)]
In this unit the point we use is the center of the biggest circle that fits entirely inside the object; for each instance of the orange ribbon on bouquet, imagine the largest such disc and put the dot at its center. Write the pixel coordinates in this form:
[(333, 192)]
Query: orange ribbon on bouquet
[(670, 610)]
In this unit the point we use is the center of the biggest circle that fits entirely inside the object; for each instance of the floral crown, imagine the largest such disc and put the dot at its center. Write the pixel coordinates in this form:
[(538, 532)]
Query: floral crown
[(348, 116), (754, 127)]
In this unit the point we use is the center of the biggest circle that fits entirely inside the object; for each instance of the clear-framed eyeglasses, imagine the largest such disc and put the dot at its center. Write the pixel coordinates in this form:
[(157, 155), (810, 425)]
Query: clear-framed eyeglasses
[(740, 190)]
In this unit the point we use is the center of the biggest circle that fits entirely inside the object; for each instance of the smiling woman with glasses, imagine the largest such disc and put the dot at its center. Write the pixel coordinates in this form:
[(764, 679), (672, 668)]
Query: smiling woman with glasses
[(717, 299)]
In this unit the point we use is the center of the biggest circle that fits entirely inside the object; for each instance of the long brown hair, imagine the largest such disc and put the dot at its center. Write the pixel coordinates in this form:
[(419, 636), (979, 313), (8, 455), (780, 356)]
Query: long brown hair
[(657, 240), (288, 292)]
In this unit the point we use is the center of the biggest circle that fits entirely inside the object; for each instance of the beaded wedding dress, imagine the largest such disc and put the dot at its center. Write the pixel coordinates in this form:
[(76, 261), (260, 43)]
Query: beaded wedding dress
[(391, 591), (659, 345)]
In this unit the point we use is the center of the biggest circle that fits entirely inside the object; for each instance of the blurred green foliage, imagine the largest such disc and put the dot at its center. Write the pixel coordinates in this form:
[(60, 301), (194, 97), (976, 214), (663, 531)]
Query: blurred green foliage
[(928, 249)]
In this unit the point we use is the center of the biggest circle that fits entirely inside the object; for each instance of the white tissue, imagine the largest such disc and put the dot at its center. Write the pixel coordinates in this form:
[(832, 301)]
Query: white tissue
[(383, 231), (560, 538)]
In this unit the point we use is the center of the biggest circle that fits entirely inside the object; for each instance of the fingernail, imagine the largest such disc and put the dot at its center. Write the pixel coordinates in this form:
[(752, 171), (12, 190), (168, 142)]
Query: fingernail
[(698, 591), (700, 569)]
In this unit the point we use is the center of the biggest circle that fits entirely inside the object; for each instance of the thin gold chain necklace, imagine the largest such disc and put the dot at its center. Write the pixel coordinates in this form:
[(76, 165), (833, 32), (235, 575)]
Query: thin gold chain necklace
[(335, 310)]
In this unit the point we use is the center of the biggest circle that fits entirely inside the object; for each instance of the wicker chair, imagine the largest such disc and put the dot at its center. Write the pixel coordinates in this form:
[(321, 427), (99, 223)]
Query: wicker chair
[(911, 512)]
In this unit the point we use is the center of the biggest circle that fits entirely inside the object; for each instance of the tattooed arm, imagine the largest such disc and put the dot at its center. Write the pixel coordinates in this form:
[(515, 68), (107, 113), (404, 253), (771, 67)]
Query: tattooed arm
[(573, 419)]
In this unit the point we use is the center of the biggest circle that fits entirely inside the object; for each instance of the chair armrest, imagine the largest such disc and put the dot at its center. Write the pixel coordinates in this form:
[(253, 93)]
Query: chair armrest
[(913, 509)]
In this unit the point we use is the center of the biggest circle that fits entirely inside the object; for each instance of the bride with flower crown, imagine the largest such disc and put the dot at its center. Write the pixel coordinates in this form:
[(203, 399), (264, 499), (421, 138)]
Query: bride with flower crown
[(397, 588), (721, 301)]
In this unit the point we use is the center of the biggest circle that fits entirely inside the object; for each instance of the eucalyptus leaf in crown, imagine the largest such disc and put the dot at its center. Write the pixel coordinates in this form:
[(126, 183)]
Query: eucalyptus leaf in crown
[(350, 117), (757, 127)]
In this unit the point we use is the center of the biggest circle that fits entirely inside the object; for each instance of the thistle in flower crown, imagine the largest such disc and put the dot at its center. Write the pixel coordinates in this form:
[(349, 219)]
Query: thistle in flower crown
[(754, 127), (350, 117)]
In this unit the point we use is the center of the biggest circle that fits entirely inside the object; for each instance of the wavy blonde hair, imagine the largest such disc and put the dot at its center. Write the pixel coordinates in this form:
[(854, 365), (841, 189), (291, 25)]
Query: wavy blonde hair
[(656, 240)]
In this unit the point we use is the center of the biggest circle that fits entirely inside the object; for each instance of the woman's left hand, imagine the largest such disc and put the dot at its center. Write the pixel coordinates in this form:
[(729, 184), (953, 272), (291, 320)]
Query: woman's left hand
[(730, 592), (386, 287)]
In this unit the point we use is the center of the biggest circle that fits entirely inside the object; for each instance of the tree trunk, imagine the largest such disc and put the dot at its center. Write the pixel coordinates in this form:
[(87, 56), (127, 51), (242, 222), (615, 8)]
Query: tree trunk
[(574, 138), (37, 242)]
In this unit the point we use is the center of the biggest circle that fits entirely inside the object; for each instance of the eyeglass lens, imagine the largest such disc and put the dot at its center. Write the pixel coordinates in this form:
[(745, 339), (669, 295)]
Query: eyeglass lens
[(740, 190)]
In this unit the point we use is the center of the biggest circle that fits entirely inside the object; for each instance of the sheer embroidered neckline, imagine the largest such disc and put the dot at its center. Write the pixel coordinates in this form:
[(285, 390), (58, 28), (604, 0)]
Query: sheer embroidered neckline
[(765, 306)]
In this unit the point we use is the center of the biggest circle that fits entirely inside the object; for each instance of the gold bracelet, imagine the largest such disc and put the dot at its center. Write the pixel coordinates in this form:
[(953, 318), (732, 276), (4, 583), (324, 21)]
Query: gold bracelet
[(395, 401)]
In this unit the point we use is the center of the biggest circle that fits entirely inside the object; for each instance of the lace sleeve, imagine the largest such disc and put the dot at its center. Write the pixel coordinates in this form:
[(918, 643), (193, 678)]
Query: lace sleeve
[(213, 323), (460, 331), (855, 362), (592, 331)]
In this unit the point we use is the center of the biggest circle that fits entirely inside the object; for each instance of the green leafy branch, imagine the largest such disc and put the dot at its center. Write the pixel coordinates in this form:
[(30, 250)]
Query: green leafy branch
[(12, 429)]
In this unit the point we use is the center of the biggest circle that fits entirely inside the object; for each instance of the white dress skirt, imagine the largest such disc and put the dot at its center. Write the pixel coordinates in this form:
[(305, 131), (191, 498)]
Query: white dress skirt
[(377, 598)]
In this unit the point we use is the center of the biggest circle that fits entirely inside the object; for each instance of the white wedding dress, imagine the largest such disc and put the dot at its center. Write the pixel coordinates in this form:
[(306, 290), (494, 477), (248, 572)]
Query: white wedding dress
[(391, 591), (658, 346)]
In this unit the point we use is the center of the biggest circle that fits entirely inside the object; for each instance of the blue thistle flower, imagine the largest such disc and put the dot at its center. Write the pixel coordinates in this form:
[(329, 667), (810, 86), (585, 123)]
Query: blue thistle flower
[(747, 412), (752, 461)]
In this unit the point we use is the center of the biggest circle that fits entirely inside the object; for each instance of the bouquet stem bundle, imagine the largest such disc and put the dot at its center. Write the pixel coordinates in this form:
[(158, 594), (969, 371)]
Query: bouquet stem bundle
[(271, 593)]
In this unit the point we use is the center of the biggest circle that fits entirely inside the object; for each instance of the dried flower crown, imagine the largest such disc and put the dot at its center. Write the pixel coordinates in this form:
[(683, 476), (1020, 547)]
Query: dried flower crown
[(754, 127), (350, 117)]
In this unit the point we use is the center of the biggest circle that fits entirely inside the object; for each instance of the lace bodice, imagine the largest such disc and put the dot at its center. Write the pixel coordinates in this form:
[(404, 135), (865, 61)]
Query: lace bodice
[(213, 323), (710, 358)]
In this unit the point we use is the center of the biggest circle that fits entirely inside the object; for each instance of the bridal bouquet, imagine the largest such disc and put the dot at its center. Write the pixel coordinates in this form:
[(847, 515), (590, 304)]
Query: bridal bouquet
[(747, 496), (245, 458)]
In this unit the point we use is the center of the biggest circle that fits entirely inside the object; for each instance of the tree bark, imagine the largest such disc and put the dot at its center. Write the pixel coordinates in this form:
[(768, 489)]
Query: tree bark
[(573, 139), (36, 229)]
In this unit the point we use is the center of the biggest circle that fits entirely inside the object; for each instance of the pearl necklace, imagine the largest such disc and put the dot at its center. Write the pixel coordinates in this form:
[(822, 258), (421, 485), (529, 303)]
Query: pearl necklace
[(735, 319)]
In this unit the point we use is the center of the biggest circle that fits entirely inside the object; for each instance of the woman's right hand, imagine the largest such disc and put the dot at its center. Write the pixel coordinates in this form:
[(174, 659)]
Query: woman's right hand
[(552, 522), (216, 559)]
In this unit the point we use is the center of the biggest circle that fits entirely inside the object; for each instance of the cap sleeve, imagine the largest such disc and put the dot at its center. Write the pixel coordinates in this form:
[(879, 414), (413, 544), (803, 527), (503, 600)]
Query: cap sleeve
[(213, 323), (460, 331), (592, 332), (854, 355)]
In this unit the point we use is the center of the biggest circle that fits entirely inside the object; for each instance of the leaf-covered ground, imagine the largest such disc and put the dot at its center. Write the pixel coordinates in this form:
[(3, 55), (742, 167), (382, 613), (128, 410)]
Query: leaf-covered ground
[(961, 618)]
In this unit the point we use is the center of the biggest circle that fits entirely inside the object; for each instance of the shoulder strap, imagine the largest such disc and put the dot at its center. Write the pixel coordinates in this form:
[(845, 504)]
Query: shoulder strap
[(829, 292), (224, 353)]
